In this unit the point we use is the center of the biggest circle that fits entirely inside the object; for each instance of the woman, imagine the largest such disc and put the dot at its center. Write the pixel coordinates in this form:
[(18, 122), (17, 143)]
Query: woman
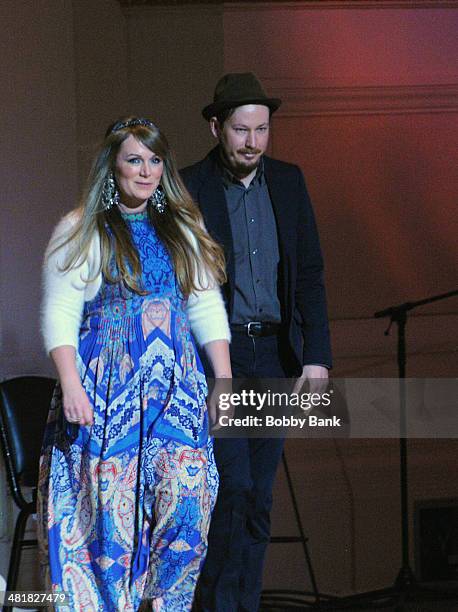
[(127, 476)]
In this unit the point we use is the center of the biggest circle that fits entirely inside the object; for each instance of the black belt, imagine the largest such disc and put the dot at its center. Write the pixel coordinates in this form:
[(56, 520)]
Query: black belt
[(256, 329)]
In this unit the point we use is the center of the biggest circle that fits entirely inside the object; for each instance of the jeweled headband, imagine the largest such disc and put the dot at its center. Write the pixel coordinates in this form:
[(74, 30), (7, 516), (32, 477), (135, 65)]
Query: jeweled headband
[(132, 122)]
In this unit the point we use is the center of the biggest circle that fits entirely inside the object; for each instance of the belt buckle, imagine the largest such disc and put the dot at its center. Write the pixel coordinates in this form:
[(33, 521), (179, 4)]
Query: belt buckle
[(250, 334)]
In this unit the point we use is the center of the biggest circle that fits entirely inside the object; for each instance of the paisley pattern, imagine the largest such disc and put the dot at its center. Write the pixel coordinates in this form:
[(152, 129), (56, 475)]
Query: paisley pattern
[(124, 505)]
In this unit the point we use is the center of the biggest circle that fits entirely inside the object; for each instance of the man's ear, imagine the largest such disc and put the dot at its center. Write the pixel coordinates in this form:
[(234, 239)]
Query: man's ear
[(215, 127)]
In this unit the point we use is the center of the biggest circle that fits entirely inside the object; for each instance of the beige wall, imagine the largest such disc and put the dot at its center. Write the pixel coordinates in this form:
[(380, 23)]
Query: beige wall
[(38, 171), (175, 58), (101, 73)]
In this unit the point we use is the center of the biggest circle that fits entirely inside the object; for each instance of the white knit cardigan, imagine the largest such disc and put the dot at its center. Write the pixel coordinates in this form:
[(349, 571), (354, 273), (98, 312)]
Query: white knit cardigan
[(64, 295)]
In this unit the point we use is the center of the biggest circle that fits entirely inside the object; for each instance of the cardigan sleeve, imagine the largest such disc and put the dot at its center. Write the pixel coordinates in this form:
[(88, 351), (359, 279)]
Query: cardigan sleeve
[(205, 307), (207, 316), (64, 293)]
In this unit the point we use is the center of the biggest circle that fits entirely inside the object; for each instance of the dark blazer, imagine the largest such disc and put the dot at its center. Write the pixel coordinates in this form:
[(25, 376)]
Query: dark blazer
[(305, 339)]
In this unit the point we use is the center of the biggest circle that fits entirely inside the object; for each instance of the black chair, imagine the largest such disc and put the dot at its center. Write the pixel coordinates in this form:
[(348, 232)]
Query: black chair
[(24, 406)]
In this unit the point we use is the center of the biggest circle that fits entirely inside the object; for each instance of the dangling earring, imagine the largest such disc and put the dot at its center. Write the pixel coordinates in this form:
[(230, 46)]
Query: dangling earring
[(158, 200), (110, 193)]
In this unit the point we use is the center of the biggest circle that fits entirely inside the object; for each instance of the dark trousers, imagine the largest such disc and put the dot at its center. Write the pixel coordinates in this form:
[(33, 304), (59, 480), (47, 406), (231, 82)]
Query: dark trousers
[(231, 578)]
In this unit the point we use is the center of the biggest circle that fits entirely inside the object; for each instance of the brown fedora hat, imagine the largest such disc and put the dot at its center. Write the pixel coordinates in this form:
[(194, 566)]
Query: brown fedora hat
[(237, 89)]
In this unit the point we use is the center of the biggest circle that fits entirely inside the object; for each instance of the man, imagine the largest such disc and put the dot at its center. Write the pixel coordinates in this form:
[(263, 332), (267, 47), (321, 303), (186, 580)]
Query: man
[(258, 209)]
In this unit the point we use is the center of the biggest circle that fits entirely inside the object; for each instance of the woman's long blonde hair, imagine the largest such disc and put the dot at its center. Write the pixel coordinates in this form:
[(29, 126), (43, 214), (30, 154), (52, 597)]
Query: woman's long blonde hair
[(180, 218)]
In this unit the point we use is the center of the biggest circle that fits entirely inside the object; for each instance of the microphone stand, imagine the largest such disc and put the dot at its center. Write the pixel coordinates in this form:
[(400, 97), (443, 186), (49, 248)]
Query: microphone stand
[(405, 584)]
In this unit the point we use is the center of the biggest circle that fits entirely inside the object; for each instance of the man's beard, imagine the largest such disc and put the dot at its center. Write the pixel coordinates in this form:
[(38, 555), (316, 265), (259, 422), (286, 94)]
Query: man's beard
[(239, 168), (244, 169)]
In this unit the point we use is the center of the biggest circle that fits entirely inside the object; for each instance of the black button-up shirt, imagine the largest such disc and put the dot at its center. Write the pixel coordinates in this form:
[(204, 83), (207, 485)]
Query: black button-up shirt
[(256, 253)]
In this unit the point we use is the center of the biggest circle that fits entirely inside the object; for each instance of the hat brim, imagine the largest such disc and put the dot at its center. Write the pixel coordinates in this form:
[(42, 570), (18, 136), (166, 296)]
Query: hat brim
[(215, 108)]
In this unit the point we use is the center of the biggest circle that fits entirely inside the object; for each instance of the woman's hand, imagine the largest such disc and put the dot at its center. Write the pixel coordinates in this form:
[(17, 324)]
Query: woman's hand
[(76, 404), (219, 401), (218, 354)]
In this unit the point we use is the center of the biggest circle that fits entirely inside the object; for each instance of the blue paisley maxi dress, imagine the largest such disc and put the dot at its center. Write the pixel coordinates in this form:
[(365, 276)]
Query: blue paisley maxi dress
[(125, 504)]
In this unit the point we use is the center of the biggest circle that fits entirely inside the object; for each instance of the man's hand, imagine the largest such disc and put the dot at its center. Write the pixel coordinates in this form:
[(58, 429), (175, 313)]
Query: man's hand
[(317, 377)]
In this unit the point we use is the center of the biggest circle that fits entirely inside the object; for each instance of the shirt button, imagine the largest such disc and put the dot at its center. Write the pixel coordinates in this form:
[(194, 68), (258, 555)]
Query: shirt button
[(251, 220), (255, 251)]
